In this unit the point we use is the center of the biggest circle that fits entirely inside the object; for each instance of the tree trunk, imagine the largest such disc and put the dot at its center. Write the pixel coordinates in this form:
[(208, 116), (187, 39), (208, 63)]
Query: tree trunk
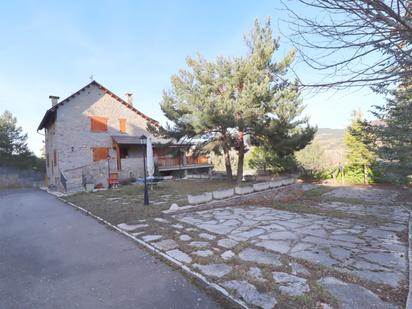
[(365, 174), (241, 158), (228, 165)]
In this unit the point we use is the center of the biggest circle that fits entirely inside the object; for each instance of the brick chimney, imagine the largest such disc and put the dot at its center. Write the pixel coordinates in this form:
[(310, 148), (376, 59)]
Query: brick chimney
[(54, 99), (129, 98)]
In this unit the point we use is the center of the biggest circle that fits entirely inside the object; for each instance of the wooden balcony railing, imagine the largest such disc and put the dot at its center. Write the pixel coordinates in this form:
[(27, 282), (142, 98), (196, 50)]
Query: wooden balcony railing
[(166, 161)]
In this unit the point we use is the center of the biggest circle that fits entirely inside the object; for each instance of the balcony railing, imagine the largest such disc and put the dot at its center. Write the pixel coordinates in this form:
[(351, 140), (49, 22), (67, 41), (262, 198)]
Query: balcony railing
[(166, 161)]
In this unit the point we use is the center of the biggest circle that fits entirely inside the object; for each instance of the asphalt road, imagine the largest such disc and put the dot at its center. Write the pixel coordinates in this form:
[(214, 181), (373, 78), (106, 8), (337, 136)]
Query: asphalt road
[(52, 256)]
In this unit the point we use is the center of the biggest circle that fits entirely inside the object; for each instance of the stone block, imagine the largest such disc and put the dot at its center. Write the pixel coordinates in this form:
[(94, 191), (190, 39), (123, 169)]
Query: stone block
[(201, 198), (221, 194), (275, 184), (261, 186), (174, 206), (243, 190), (288, 181)]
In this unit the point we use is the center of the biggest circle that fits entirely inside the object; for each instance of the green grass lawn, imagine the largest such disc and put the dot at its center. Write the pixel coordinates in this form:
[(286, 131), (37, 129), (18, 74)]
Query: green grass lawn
[(125, 204)]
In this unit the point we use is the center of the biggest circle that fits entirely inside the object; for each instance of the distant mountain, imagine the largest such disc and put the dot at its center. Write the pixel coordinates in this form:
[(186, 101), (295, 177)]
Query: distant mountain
[(331, 142)]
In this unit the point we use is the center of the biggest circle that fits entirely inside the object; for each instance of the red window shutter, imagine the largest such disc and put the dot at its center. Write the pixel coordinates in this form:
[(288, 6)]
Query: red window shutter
[(122, 125), (100, 153), (98, 124)]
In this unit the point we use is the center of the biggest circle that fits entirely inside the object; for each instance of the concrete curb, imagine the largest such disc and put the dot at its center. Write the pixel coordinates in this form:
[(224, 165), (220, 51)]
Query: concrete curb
[(152, 249), (409, 298)]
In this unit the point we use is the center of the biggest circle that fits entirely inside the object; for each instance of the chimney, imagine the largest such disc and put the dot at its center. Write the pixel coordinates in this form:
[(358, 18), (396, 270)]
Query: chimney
[(54, 99), (129, 98)]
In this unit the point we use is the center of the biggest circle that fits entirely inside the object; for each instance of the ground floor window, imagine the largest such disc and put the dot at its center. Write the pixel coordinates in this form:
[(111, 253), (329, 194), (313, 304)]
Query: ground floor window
[(100, 153)]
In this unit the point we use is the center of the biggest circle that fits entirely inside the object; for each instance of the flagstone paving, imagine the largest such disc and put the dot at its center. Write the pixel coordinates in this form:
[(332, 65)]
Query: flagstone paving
[(268, 257)]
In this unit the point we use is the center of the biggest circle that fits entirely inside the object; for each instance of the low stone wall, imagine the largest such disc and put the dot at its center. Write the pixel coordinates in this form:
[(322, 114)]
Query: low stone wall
[(228, 193), (222, 194), (201, 198)]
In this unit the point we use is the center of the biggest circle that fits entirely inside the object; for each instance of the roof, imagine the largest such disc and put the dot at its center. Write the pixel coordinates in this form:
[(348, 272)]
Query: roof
[(137, 140), (52, 111), (128, 140)]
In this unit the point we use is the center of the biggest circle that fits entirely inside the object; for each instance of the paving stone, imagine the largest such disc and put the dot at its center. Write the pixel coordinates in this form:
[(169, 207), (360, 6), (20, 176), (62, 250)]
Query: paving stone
[(290, 284), (203, 253), (241, 236), (227, 243), (351, 295), (151, 237), (179, 255), (131, 228), (178, 226), (256, 273), (214, 270), (167, 244), (227, 255), (138, 233), (185, 237), (207, 236), (199, 244), (299, 269), (161, 220), (280, 246), (260, 257), (250, 294)]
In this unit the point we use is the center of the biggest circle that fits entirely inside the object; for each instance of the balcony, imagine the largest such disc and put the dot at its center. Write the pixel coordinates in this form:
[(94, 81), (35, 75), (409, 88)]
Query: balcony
[(170, 163)]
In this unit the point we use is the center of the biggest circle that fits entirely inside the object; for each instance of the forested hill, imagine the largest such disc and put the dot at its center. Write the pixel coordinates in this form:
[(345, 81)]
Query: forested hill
[(331, 142)]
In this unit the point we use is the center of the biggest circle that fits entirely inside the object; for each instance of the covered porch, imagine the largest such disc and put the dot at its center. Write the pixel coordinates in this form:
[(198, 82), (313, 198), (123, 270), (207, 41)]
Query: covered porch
[(167, 157)]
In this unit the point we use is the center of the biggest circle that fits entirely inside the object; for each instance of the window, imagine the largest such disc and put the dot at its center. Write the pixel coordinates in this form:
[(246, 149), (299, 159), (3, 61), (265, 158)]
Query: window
[(47, 160), (122, 125), (100, 153), (55, 157), (98, 124)]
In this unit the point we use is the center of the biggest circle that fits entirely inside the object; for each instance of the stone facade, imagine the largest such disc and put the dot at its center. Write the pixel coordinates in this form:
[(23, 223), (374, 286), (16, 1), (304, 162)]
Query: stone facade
[(70, 140)]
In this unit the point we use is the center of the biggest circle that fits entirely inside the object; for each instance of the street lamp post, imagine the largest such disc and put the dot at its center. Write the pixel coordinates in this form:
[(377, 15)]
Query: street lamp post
[(108, 170), (146, 194)]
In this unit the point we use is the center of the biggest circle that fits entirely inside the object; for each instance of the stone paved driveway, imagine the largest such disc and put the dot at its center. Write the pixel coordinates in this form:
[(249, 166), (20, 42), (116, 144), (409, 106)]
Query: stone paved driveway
[(276, 258)]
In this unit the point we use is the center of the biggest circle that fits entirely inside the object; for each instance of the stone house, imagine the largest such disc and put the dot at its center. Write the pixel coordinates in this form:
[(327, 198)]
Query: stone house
[(94, 134)]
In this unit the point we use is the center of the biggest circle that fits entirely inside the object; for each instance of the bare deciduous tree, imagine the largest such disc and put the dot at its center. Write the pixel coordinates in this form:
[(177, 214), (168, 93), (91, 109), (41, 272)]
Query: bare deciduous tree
[(356, 42)]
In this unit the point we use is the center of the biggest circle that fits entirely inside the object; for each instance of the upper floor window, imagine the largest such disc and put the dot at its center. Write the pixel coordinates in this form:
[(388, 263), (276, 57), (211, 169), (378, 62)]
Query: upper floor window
[(122, 125), (98, 124)]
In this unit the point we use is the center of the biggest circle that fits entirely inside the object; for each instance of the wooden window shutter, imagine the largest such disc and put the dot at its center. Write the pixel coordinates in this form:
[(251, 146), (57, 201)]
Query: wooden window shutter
[(100, 153), (98, 124), (122, 125)]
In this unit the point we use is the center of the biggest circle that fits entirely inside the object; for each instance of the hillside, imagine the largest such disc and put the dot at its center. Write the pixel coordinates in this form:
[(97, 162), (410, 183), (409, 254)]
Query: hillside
[(332, 144)]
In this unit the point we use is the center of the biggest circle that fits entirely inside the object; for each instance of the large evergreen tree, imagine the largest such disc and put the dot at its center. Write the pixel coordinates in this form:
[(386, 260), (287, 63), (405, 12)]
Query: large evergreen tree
[(393, 136), (222, 102)]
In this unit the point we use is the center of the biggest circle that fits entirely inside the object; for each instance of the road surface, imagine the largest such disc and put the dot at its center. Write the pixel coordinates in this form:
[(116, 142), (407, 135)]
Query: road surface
[(52, 256)]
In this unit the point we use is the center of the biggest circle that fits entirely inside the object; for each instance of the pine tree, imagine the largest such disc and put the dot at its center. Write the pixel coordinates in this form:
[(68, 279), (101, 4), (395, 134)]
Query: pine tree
[(394, 134), (13, 142), (222, 102), (358, 152)]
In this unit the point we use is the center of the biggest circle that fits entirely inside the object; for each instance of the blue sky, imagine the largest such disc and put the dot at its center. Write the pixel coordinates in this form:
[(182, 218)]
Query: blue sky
[(52, 48)]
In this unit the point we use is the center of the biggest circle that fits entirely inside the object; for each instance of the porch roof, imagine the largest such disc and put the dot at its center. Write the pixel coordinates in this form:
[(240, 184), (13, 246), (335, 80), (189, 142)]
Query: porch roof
[(137, 140)]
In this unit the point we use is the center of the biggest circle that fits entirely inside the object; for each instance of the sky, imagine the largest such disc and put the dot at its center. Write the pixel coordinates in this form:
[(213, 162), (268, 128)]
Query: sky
[(54, 47)]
